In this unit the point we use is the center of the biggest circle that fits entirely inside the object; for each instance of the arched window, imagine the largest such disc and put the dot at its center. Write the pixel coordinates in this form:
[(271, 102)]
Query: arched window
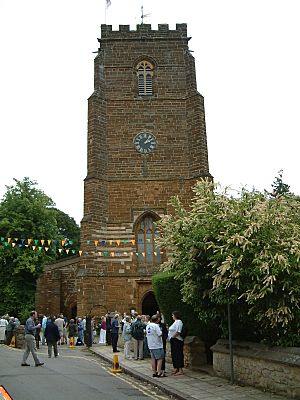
[(145, 76), (148, 251)]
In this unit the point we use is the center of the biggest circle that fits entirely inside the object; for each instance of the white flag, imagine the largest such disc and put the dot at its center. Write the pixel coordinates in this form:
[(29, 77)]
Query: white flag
[(108, 3)]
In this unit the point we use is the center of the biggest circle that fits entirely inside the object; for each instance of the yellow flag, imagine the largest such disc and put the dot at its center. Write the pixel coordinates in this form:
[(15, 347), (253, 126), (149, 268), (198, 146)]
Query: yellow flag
[(80, 252), (118, 242), (29, 241), (8, 240), (63, 242), (96, 242), (42, 241), (133, 241), (49, 242)]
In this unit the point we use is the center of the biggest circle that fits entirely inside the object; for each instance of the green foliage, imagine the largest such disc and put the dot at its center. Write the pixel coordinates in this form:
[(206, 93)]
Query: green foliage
[(279, 187), (167, 292), (27, 212), (245, 250), (67, 229)]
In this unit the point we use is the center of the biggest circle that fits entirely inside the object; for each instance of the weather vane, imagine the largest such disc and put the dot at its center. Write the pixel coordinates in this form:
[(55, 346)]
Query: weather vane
[(143, 15)]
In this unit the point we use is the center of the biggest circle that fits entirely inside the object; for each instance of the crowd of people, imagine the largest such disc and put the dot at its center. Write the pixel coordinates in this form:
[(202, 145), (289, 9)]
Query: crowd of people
[(8, 325), (143, 336)]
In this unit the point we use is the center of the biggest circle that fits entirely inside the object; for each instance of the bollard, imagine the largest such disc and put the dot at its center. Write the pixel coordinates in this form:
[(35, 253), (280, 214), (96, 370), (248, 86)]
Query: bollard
[(116, 366), (71, 343), (13, 342)]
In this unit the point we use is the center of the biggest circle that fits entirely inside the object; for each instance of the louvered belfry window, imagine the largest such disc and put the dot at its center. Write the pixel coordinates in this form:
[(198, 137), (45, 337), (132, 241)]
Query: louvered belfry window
[(145, 75)]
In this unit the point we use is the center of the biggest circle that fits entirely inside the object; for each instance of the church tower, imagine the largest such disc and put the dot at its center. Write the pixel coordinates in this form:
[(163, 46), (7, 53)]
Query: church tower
[(146, 142)]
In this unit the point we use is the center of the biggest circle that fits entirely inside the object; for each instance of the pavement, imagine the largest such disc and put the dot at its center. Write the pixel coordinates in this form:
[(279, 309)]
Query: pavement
[(192, 385)]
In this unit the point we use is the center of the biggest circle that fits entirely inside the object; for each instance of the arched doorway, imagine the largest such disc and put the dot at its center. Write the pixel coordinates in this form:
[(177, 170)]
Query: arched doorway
[(74, 311), (149, 304)]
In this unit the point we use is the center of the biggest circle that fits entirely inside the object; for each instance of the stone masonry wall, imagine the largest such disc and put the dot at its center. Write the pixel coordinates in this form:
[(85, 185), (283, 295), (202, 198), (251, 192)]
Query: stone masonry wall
[(273, 369)]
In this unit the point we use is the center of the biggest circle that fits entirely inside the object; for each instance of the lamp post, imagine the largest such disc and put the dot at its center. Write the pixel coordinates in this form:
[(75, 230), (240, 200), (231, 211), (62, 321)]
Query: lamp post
[(230, 338)]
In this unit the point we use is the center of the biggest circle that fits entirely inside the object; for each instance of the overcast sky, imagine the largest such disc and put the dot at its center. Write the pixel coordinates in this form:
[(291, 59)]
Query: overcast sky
[(248, 70)]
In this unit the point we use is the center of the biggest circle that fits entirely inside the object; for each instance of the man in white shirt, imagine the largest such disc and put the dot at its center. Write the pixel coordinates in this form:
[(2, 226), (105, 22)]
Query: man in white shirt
[(155, 344), (60, 322)]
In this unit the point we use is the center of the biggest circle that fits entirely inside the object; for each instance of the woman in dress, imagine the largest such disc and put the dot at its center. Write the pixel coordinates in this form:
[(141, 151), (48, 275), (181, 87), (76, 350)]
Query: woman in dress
[(176, 342), (102, 337)]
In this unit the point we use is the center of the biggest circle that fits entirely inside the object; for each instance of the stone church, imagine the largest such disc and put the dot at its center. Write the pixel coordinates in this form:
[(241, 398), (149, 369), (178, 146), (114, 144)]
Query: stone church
[(146, 142)]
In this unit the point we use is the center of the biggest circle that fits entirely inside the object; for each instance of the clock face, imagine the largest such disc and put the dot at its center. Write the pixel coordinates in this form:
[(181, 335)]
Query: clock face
[(145, 142)]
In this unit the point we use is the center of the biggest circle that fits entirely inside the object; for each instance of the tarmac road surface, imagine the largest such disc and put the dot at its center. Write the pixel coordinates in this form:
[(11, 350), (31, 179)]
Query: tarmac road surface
[(75, 374)]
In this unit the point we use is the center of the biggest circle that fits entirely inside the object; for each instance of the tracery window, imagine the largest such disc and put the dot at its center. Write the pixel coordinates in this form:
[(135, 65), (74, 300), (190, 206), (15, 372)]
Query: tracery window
[(145, 77), (148, 251)]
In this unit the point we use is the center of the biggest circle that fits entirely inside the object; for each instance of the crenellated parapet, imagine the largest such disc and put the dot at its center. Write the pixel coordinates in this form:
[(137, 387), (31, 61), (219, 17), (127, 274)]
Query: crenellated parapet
[(143, 30)]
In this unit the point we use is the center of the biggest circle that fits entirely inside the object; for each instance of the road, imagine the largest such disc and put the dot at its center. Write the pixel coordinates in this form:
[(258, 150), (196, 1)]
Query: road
[(75, 374)]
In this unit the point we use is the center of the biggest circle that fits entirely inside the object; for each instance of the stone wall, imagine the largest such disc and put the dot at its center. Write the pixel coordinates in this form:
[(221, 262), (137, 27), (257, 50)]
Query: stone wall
[(274, 369)]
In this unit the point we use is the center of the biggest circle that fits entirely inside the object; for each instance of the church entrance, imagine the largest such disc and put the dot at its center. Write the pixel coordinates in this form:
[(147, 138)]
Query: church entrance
[(74, 311), (149, 304)]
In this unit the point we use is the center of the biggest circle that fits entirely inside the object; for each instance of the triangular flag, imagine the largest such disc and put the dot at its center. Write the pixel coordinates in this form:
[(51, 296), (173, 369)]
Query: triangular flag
[(36, 242), (49, 242), (118, 242), (88, 242), (100, 253), (125, 241), (13, 244), (6, 244), (22, 241), (40, 248), (143, 253), (67, 251), (46, 248), (29, 241), (8, 240), (60, 250), (110, 242), (96, 242), (80, 252), (133, 241), (70, 241), (73, 251), (103, 242), (16, 239), (112, 253), (2, 239), (42, 241), (63, 242), (26, 245), (33, 247)]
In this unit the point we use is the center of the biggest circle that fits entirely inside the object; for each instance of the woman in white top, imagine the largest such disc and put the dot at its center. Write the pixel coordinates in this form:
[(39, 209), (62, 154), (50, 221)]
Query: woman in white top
[(155, 344), (176, 342)]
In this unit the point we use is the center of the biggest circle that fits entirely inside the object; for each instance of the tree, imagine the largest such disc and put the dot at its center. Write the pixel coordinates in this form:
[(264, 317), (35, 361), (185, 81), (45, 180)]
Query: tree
[(26, 212), (244, 250), (279, 187)]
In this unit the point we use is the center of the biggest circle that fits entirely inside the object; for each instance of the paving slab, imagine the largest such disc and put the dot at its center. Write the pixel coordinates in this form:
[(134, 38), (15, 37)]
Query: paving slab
[(192, 385)]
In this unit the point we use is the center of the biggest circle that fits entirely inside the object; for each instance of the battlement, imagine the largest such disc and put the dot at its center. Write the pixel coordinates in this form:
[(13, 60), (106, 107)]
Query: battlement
[(144, 30)]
